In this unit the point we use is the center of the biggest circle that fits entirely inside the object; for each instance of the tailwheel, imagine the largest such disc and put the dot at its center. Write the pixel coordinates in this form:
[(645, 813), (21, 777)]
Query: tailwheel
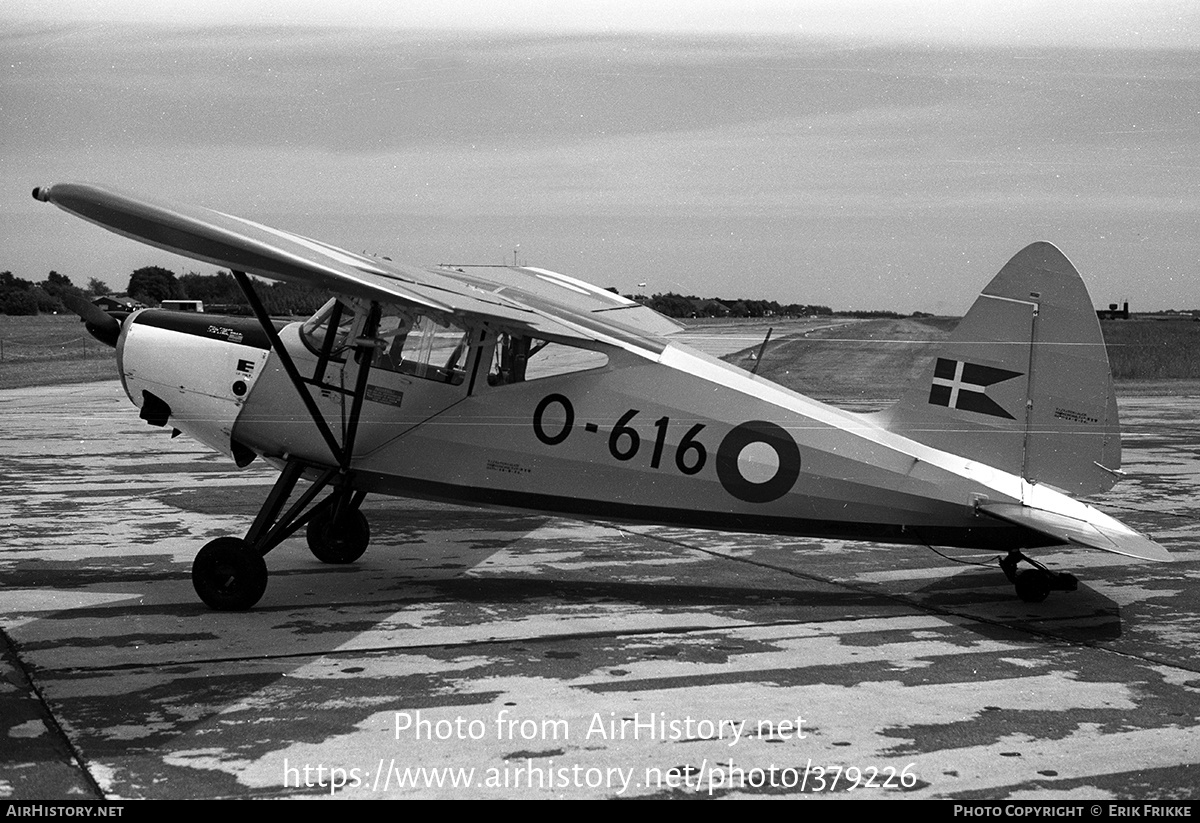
[(342, 539), (229, 575), (1034, 585)]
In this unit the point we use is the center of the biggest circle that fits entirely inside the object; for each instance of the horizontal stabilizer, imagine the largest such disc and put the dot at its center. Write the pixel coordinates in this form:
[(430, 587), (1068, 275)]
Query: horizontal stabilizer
[(1099, 531)]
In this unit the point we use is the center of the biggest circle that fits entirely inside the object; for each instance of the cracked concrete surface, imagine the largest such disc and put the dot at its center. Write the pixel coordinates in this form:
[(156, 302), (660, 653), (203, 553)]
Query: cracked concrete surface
[(477, 653)]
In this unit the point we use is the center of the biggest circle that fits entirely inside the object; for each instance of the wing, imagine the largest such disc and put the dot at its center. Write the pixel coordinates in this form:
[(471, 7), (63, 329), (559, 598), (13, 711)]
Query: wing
[(533, 301)]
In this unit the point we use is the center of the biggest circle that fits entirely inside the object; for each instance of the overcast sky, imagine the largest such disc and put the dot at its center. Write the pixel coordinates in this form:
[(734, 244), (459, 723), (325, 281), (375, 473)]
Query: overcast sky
[(892, 156)]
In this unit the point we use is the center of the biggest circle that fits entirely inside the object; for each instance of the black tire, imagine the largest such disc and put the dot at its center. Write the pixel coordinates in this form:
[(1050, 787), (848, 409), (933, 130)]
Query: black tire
[(229, 575), (1033, 585), (343, 541)]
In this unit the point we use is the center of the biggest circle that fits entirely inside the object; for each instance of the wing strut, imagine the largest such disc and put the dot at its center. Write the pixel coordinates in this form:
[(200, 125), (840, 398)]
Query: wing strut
[(289, 366)]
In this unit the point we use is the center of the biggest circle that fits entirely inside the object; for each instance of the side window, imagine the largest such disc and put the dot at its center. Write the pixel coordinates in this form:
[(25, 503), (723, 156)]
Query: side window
[(517, 359), (422, 347)]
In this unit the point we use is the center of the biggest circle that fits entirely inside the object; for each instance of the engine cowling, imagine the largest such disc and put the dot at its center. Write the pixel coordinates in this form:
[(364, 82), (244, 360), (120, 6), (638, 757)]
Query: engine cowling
[(195, 371)]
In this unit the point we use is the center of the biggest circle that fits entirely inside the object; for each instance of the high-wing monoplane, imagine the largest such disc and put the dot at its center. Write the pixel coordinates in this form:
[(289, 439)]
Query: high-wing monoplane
[(521, 387)]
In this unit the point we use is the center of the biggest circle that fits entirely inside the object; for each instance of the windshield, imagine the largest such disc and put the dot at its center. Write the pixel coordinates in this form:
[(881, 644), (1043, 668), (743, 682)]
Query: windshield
[(316, 328)]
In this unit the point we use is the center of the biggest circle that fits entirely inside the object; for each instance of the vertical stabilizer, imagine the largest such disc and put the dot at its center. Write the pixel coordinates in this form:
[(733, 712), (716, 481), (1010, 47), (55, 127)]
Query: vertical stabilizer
[(1023, 383)]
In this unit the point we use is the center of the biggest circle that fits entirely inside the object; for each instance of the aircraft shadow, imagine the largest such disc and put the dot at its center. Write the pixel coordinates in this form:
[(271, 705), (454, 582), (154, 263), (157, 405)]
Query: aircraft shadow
[(986, 597)]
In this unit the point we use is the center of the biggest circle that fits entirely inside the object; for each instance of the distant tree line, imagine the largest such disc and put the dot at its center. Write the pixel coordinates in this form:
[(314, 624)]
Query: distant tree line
[(882, 314), (18, 296), (682, 306), (220, 292), (151, 285)]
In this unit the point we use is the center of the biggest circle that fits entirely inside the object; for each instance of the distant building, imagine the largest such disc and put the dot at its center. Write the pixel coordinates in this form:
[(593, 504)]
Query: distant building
[(1114, 313), (182, 305), (117, 302), (1172, 314)]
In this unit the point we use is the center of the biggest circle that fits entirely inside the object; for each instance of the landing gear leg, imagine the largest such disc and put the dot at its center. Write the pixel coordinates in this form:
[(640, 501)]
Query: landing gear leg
[(1033, 585), (229, 573)]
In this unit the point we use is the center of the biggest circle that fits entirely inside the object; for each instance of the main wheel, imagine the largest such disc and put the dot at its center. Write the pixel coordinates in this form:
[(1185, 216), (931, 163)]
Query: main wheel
[(1033, 585), (340, 541), (229, 575)]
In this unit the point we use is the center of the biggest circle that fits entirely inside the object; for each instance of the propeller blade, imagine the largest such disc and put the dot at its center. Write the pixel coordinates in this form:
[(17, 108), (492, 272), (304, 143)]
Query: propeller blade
[(99, 323)]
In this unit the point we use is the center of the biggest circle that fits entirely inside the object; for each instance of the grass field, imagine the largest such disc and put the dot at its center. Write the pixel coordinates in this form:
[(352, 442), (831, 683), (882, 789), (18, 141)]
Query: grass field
[(1153, 349), (50, 349), (851, 360)]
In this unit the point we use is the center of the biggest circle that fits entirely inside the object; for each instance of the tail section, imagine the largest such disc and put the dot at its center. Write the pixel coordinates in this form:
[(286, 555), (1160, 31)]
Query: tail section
[(1023, 384)]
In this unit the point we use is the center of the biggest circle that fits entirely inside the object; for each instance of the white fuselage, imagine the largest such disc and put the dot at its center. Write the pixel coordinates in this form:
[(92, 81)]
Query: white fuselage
[(667, 436)]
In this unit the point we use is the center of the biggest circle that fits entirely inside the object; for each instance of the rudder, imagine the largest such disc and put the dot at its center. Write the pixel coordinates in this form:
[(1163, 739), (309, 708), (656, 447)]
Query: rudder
[(1023, 384)]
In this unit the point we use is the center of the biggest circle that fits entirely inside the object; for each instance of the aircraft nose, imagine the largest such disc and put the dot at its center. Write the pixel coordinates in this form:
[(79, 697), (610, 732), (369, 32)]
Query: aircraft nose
[(41, 193)]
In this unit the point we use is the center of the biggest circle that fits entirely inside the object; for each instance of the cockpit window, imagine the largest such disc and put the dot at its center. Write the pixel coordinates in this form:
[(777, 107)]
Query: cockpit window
[(316, 328), (517, 359), (422, 347)]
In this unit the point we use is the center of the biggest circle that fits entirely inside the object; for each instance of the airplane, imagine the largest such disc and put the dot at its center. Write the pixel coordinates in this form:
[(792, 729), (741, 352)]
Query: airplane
[(515, 386)]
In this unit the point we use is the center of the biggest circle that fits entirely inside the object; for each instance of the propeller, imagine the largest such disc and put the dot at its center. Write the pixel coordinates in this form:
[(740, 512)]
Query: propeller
[(100, 324)]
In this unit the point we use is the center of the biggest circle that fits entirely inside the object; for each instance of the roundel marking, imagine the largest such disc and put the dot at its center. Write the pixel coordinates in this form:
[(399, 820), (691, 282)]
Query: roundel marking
[(758, 462)]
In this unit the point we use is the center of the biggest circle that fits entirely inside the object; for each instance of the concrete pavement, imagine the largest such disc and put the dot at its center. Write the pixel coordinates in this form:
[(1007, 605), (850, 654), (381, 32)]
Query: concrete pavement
[(477, 653)]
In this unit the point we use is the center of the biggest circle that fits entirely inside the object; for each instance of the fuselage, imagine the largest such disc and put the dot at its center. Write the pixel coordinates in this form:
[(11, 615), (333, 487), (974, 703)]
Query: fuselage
[(621, 432), (521, 387)]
